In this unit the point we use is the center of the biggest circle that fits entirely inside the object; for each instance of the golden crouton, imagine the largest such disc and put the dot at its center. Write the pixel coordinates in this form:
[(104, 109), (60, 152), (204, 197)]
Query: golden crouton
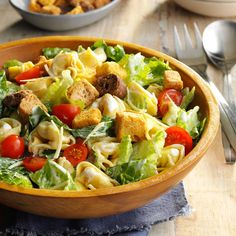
[(46, 2), (111, 68), (83, 91), (76, 10), (172, 79), (88, 117), (27, 104), (51, 9), (130, 123), (100, 3)]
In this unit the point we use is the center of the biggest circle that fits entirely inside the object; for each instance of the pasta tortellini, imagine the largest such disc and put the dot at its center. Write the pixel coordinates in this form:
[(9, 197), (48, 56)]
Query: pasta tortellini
[(106, 151), (47, 136), (170, 155), (91, 177), (109, 105), (9, 126)]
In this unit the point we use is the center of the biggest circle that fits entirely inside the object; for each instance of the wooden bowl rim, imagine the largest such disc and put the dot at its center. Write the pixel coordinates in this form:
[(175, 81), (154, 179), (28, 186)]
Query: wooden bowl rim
[(194, 156)]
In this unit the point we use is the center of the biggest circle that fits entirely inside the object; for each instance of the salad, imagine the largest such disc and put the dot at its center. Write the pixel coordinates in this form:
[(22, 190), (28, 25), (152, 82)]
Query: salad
[(92, 118)]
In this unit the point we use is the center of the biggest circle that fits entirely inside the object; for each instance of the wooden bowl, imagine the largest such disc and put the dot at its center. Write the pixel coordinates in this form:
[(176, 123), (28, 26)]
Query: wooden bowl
[(113, 200)]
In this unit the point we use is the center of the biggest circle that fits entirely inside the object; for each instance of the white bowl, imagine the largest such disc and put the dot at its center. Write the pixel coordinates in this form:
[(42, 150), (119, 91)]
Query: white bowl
[(61, 22), (214, 8)]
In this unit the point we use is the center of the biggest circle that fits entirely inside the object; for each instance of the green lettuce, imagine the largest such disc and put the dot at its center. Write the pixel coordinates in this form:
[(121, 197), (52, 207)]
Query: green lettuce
[(133, 170), (187, 98), (11, 172), (50, 53), (141, 163), (53, 176), (144, 71), (56, 93), (187, 120), (115, 53), (125, 150), (3, 88), (11, 63)]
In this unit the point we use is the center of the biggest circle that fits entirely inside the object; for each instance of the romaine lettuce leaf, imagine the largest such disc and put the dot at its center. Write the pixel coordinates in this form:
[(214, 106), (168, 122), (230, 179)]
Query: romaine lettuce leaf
[(56, 93), (125, 150), (115, 53), (50, 53), (187, 98), (187, 120), (53, 176), (144, 71), (11, 172), (133, 170)]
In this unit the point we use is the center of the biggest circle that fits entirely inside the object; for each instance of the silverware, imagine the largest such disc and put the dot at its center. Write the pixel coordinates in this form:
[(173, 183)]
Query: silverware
[(219, 40), (195, 58)]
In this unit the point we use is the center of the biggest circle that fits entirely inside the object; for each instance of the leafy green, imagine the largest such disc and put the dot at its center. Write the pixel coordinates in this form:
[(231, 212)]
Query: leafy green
[(53, 176), (11, 63), (187, 98), (50, 53), (115, 53), (143, 70), (94, 131), (4, 90), (187, 120), (56, 93), (133, 170), (125, 149), (48, 153), (12, 172)]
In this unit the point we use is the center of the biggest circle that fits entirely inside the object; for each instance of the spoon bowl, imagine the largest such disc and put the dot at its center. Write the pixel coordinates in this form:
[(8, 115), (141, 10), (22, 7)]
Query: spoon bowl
[(219, 42)]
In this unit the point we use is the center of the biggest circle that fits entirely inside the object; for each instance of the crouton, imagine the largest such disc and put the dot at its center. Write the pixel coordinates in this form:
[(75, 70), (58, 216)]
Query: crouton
[(46, 2), (130, 123), (100, 3), (172, 79), (111, 68), (51, 9), (27, 104), (83, 91), (88, 117), (76, 10)]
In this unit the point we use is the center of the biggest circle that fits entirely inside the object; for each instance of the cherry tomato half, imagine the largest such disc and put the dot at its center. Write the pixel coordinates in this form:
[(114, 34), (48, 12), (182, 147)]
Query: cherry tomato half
[(76, 153), (164, 100), (32, 73), (177, 135), (34, 163), (65, 112), (13, 146)]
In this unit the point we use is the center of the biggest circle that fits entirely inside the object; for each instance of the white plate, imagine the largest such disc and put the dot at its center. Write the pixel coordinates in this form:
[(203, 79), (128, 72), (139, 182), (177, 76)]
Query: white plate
[(61, 22), (213, 8)]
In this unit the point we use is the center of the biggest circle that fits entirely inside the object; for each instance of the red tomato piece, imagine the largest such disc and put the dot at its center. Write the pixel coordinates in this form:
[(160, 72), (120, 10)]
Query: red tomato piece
[(32, 73), (177, 135), (65, 112), (164, 100), (76, 153), (13, 146), (34, 163)]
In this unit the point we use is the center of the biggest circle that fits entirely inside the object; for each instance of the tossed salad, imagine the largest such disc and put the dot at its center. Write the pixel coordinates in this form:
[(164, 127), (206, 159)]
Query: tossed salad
[(92, 118)]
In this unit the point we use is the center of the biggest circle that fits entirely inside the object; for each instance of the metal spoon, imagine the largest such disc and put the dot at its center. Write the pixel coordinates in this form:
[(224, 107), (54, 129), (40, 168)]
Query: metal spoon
[(219, 42)]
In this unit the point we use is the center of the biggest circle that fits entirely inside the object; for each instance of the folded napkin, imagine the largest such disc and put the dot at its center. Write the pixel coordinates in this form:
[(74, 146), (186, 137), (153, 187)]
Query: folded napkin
[(133, 223)]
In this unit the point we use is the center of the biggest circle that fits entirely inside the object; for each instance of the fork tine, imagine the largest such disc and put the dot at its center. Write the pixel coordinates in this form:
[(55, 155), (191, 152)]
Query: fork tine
[(177, 42), (198, 36), (187, 37)]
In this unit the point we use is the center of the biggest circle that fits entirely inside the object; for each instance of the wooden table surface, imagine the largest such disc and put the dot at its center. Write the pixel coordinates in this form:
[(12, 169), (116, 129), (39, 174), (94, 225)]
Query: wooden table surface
[(211, 186)]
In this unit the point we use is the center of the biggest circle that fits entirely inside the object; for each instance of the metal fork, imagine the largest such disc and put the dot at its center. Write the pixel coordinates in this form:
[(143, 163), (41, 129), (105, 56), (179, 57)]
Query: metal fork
[(194, 56)]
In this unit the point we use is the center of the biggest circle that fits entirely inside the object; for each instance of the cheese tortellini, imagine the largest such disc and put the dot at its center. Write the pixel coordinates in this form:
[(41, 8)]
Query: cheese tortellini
[(47, 136), (91, 177), (170, 155), (106, 151), (9, 126)]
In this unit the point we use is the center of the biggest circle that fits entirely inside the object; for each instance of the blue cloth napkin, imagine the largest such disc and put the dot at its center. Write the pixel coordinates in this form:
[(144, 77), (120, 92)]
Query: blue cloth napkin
[(133, 223)]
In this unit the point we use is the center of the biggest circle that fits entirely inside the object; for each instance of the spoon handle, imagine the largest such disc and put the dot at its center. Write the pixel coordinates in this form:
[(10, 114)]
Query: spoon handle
[(227, 117), (228, 91)]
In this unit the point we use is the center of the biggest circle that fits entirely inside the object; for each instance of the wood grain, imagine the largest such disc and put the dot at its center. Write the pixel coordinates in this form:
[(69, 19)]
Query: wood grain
[(211, 185)]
